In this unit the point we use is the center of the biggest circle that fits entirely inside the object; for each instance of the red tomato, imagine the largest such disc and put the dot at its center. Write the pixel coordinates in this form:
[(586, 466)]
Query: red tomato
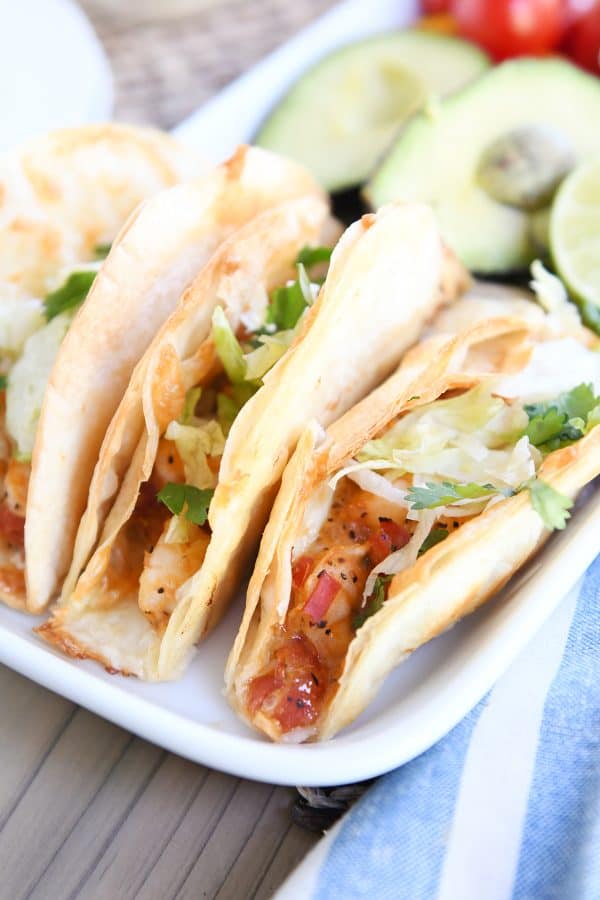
[(512, 27), (389, 538), (431, 7), (582, 41), (322, 597), (12, 527), (300, 569)]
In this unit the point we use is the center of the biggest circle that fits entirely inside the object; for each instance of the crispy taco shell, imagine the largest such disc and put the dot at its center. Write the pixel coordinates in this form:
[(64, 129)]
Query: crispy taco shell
[(446, 583), (388, 275), (61, 196), (159, 250)]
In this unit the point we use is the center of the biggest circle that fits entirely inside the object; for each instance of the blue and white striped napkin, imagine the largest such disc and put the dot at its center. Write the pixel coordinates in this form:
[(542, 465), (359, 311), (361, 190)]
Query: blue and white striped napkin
[(505, 806)]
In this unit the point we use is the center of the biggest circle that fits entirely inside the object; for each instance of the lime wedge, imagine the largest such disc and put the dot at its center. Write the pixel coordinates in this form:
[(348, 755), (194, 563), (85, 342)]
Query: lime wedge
[(575, 232)]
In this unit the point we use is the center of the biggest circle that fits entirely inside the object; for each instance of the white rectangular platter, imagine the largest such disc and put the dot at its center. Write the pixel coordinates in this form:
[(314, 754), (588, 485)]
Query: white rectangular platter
[(438, 685)]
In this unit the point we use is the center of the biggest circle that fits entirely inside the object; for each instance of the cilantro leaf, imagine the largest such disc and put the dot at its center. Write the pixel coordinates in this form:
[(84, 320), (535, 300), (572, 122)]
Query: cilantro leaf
[(561, 421), (551, 506), (3, 382), (576, 403), (553, 430), (188, 499), (435, 536), (374, 603), (289, 302), (70, 295), (101, 251), (312, 256), (228, 347), (434, 494)]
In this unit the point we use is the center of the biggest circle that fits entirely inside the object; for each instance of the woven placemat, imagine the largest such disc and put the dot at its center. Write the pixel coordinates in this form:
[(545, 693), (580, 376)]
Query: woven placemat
[(164, 69)]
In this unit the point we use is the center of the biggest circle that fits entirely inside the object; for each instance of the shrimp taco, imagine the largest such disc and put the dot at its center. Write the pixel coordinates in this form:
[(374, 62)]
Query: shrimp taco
[(413, 509), (69, 200), (214, 418)]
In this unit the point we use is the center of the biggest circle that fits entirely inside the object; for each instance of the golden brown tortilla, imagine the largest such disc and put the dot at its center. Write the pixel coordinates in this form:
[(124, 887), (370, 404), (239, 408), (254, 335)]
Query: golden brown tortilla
[(383, 284), (157, 253), (62, 195), (447, 582)]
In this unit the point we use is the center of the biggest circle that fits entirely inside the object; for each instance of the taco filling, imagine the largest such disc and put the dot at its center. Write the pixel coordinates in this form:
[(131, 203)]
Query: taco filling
[(164, 541), (427, 473), (31, 332)]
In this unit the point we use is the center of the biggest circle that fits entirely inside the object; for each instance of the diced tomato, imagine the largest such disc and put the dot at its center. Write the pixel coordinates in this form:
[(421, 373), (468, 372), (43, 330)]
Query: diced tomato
[(322, 596), (12, 527), (300, 569), (389, 538)]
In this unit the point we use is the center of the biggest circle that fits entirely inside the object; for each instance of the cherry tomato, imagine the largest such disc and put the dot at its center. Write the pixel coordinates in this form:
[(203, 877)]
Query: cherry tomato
[(512, 27), (431, 7), (582, 41)]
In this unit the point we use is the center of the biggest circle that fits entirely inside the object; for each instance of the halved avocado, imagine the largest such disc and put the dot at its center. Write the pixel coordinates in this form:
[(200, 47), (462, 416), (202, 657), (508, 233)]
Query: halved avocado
[(342, 115), (437, 155)]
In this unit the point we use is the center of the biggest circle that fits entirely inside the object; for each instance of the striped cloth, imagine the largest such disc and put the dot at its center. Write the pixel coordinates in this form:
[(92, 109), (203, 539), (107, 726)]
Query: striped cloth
[(505, 806)]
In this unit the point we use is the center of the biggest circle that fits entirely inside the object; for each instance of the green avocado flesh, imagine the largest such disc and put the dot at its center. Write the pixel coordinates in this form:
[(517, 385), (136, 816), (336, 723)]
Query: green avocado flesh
[(343, 114), (437, 155)]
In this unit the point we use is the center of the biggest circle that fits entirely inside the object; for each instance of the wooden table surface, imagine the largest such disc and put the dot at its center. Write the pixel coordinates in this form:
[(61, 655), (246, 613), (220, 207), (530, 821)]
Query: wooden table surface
[(87, 810)]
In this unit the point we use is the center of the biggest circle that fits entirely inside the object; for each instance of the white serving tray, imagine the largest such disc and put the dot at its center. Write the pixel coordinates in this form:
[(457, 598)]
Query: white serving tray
[(426, 696)]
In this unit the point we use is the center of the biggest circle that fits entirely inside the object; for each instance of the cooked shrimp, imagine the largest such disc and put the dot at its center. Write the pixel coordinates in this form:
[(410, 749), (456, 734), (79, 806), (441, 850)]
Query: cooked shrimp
[(166, 569)]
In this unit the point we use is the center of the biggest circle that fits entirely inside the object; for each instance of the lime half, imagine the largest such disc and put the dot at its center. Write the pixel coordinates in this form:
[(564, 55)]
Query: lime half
[(575, 232)]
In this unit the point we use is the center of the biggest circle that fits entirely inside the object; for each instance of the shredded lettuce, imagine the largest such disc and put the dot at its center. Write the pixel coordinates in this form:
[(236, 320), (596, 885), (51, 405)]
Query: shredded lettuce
[(195, 442), (551, 294), (553, 368), (20, 317), (180, 531), (227, 410), (272, 348), (191, 401), (457, 440), (229, 350), (27, 382)]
